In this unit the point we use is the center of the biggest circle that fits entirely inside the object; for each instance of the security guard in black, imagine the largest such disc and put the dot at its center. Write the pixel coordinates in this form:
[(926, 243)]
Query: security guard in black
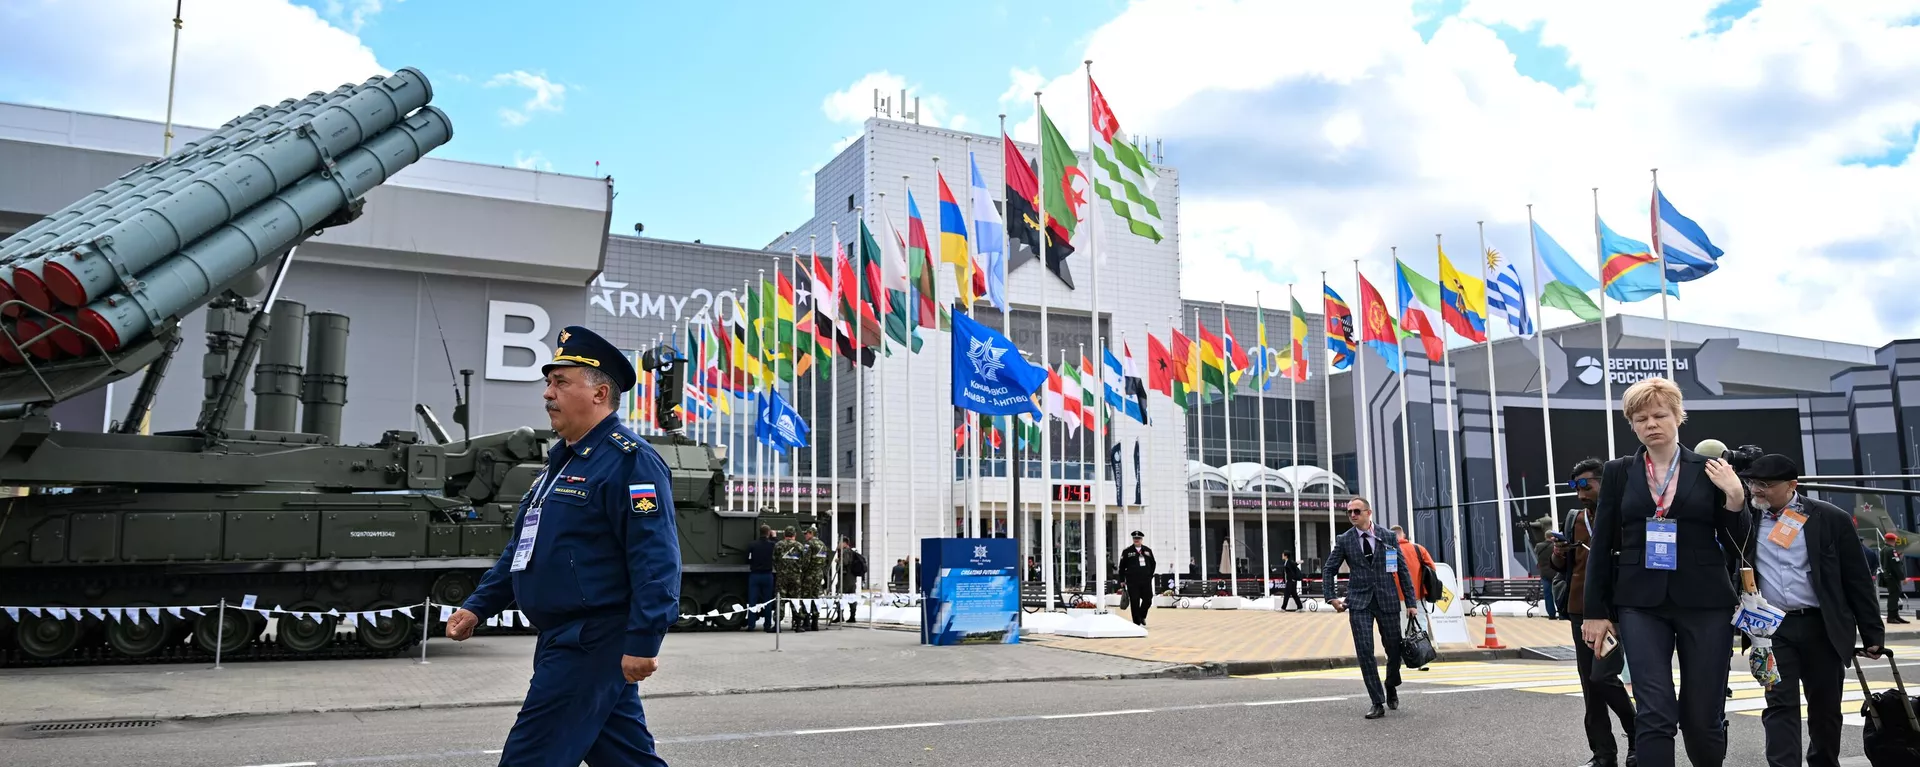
[(1136, 571), (594, 563)]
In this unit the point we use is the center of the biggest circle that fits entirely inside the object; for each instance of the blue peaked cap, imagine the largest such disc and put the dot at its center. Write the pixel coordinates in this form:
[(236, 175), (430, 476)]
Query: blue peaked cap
[(580, 347)]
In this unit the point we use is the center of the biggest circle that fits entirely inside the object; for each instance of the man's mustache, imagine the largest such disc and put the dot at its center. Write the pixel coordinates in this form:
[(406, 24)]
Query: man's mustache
[(553, 407)]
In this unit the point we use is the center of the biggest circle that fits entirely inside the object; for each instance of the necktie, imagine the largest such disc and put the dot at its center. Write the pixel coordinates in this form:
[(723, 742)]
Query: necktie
[(1368, 541)]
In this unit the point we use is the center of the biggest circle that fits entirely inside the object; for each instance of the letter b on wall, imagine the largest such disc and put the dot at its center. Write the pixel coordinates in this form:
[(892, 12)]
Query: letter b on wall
[(508, 328)]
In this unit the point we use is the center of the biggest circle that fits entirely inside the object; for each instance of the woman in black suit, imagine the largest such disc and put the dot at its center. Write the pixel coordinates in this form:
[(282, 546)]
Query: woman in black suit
[(1668, 524)]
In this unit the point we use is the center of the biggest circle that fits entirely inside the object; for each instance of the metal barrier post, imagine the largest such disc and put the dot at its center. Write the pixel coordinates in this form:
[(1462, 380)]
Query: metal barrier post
[(219, 633), (776, 618), (426, 623)]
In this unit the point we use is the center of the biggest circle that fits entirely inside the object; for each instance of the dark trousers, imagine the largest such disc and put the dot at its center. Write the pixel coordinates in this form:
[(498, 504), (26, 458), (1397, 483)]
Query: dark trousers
[(1139, 598), (1805, 656), (1600, 697), (579, 706), (1893, 601), (1362, 620), (1546, 589), (1292, 593), (1704, 640), (760, 589)]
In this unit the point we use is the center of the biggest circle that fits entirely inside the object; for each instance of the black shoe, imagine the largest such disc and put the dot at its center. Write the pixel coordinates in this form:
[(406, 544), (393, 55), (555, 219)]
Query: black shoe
[(1600, 761), (1393, 700), (1376, 712), (1633, 759)]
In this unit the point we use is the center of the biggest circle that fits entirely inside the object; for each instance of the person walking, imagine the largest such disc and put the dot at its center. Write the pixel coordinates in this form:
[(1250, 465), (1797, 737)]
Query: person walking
[(1893, 575), (1372, 556), (1570, 557), (1290, 578), (600, 579), (1664, 527), (1137, 566)]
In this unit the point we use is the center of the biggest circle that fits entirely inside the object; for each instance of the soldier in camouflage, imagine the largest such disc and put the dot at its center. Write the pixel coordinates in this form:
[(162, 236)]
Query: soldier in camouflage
[(789, 566), (813, 580)]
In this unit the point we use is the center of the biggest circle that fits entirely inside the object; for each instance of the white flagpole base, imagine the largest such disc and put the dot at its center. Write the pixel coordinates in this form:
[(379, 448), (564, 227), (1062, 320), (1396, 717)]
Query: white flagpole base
[(1042, 622), (1101, 626), (1227, 603), (1264, 603)]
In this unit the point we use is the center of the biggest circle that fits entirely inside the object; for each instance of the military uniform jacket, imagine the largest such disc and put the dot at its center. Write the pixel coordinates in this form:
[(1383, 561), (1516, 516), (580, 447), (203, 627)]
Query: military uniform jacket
[(606, 543), (1132, 568)]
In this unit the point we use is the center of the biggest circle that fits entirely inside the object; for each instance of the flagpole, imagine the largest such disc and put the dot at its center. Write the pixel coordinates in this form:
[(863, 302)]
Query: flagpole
[(741, 453), (1606, 351), (760, 447), (885, 298), (1453, 430), (1226, 378), (1493, 403), (793, 350), (1046, 436), (1363, 401), (1199, 407), (1546, 411), (833, 400), (1086, 451), (1015, 514), (1406, 430), (1360, 445), (1100, 417), (1293, 423), (860, 395), (1266, 548), (1665, 323), (913, 329), (813, 406)]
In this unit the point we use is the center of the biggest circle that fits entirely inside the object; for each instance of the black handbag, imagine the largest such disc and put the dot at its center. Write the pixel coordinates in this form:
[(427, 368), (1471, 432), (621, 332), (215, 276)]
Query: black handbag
[(1430, 585), (1416, 648)]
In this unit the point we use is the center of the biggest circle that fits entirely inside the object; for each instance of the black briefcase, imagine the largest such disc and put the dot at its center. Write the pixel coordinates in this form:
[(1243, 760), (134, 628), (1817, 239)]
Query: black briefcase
[(1892, 734)]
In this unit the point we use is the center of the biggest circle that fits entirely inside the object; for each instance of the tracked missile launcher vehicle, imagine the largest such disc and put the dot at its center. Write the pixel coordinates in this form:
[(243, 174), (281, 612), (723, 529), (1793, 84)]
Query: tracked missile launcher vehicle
[(339, 540)]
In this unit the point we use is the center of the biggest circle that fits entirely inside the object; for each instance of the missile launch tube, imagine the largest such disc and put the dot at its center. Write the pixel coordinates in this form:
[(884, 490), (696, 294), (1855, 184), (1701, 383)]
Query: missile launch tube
[(276, 379), (187, 278), (323, 391), (222, 191)]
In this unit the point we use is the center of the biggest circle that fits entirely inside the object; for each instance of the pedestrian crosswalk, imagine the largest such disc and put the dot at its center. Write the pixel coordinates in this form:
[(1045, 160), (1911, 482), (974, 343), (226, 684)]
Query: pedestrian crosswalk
[(1548, 678)]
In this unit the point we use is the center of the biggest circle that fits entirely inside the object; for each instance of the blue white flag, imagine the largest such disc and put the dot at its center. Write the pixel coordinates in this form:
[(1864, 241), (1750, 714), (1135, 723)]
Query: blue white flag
[(779, 425), (989, 237), (1115, 380), (989, 375), (1684, 246), (1507, 297)]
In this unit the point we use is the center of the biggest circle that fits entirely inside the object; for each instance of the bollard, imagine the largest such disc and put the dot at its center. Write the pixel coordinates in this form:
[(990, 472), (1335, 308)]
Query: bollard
[(219, 633), (776, 619), (426, 622)]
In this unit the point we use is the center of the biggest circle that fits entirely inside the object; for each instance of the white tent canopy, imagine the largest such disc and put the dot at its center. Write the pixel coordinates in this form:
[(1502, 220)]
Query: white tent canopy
[(1250, 477)]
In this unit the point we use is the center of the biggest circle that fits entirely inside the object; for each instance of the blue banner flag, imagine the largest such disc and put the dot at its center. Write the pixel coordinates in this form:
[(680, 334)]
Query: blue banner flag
[(989, 376), (779, 426)]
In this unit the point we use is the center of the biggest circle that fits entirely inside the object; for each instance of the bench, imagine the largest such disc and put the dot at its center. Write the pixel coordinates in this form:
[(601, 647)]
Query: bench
[(1483, 593), (1313, 591)]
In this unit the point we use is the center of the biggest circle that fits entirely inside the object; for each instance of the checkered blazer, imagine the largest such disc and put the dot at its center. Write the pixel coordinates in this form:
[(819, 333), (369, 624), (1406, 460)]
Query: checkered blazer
[(1370, 585)]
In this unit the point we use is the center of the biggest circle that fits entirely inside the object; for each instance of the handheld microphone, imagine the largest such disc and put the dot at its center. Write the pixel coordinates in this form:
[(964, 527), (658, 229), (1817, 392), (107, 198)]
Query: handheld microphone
[(1711, 448)]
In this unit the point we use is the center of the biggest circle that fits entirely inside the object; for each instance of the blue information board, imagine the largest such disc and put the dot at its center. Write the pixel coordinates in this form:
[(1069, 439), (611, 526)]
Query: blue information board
[(969, 591)]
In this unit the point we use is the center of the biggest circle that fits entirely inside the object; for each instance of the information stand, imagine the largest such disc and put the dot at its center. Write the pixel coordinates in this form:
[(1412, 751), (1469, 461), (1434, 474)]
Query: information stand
[(969, 591)]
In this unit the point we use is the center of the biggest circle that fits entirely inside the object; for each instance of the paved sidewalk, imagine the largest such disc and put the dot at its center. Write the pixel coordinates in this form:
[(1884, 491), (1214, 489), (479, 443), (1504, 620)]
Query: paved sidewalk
[(493, 671)]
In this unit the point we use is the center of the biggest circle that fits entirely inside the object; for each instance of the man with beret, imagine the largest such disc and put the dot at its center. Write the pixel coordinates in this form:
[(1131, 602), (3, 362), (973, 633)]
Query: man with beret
[(1136, 571), (594, 563), (1804, 555)]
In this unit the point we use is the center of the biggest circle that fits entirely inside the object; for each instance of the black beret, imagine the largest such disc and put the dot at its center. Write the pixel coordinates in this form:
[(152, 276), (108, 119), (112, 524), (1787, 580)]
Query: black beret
[(1772, 467), (580, 347)]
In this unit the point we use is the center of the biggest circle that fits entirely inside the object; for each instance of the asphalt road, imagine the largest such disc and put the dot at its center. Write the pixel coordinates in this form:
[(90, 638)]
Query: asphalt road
[(1161, 722)]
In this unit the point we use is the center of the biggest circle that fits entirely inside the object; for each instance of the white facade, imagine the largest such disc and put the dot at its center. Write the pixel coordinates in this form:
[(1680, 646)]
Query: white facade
[(905, 452)]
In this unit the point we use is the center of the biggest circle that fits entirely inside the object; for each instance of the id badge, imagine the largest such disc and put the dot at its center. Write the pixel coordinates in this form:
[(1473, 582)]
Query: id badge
[(1393, 560), (1662, 544), (523, 551), (1787, 528)]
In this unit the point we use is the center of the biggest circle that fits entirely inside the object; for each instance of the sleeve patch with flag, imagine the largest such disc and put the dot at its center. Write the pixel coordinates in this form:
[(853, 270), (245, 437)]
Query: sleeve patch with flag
[(645, 499)]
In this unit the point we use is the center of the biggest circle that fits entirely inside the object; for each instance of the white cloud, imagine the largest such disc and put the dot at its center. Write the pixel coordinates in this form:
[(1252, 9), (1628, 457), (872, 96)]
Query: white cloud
[(1308, 135), (531, 161), (353, 14), (856, 103), (547, 95), (226, 66)]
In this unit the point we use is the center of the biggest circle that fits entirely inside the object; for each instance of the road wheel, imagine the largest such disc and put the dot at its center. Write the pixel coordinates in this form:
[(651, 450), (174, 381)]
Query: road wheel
[(137, 634), (309, 634), (232, 628), (452, 588), (391, 632), (727, 602), (46, 636), (688, 609)]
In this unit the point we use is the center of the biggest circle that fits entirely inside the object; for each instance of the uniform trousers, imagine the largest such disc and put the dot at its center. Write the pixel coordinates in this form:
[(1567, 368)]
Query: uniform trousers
[(579, 705), (1704, 640), (1139, 598), (1804, 656), (1362, 620), (760, 589)]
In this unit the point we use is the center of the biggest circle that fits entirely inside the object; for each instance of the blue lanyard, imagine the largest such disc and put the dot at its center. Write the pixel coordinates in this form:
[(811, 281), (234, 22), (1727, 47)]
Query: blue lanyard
[(541, 497)]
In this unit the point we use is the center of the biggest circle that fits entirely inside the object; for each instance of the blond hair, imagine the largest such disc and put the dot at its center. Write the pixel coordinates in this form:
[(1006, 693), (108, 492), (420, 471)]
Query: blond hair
[(1650, 393)]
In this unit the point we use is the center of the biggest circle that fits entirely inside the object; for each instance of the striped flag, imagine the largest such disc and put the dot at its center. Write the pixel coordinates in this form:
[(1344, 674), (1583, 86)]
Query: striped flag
[(989, 237), (1684, 245), (1129, 178), (1507, 298)]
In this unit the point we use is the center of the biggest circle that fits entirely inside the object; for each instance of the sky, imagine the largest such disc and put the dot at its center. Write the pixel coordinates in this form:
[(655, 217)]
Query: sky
[(1306, 135)]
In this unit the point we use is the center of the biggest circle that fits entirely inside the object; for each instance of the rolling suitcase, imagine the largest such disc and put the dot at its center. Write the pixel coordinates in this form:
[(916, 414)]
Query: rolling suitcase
[(1892, 733)]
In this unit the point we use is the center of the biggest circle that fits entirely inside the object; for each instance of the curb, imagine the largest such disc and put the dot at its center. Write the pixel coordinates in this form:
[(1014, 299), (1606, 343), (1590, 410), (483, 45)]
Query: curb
[(1250, 667), (1172, 671)]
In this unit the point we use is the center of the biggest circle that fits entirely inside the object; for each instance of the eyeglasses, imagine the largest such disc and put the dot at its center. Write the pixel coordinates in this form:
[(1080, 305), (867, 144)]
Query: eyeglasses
[(1355, 512), (1583, 483), (1764, 484)]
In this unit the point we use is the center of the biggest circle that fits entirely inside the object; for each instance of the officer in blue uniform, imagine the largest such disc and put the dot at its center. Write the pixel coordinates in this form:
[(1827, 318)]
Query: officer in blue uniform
[(594, 563)]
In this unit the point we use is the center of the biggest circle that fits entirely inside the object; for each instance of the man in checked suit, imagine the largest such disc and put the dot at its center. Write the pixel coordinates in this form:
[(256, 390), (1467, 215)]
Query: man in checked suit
[(1372, 554)]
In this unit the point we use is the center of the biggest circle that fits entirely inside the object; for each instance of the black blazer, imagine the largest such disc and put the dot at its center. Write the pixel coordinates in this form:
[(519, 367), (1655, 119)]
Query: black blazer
[(1842, 586), (1706, 536)]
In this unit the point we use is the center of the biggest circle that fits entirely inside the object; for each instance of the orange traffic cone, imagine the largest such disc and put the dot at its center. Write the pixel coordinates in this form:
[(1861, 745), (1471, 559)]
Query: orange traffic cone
[(1492, 641)]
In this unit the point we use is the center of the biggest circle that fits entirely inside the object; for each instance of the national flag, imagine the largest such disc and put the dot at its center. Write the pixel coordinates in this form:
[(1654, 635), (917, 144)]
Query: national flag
[(1088, 402), (953, 246), (1028, 430), (989, 238), (1689, 254), (1629, 269), (1297, 321), (1418, 296), (1570, 284), (856, 291), (755, 319), (1377, 329), (1339, 327), (1507, 297), (1159, 367), (1114, 384), (1136, 383), (1072, 398), (920, 265), (1213, 363), (796, 348), (1186, 373), (1266, 363), (817, 321), (899, 317), (1059, 166), (1023, 215), (1130, 179), (699, 405), (1463, 301), (1053, 398)]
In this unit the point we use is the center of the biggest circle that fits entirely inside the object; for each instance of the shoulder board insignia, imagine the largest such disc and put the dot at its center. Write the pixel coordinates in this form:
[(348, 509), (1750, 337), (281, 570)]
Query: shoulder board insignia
[(645, 498), (622, 441), (573, 491)]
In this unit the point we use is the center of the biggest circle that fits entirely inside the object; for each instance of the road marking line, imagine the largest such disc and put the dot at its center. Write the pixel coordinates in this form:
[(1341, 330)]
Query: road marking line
[(287, 764), (1100, 713), (873, 727), (494, 751), (1299, 700)]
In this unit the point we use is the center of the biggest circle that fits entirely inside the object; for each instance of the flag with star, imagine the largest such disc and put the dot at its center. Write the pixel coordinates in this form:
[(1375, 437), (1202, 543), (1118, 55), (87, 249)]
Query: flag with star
[(989, 374)]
